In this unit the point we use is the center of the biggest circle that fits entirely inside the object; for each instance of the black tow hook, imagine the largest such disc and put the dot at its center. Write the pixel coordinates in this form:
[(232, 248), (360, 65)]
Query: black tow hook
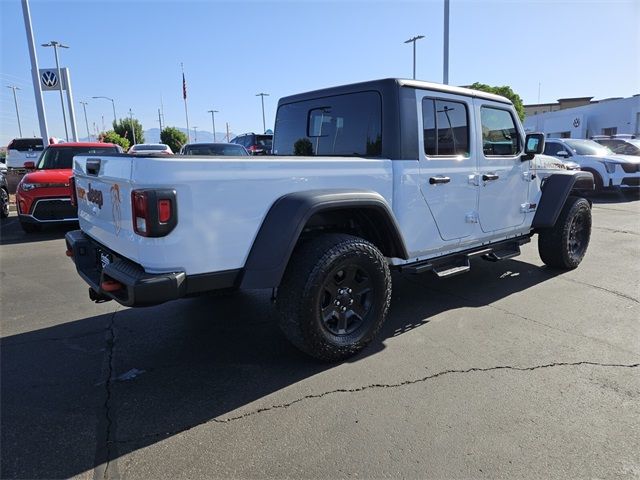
[(96, 297)]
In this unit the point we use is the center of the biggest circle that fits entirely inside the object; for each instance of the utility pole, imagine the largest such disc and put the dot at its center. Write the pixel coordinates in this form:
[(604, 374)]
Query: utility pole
[(133, 130), (227, 131), (160, 120), (213, 121), (195, 134), (84, 107), (55, 46), (445, 66), (35, 72), (414, 40), (15, 100), (262, 95)]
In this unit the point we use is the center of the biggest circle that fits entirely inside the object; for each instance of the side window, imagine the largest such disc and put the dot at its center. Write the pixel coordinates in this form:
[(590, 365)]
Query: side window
[(346, 125), (499, 133), (445, 128), (552, 148)]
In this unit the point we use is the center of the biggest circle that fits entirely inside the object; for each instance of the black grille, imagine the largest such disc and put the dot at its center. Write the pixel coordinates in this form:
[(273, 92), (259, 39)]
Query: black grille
[(631, 182), (54, 210), (631, 167)]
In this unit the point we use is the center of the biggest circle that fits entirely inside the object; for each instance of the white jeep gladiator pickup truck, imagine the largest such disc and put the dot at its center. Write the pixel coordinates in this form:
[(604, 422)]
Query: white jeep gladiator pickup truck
[(364, 178)]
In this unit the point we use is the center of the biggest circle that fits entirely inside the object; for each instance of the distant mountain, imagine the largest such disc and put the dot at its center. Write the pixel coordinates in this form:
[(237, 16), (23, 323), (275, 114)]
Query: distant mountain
[(153, 135)]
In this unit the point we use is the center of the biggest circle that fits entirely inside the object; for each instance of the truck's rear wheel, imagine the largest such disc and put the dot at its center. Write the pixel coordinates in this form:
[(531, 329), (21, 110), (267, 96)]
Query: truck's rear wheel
[(334, 296), (564, 245)]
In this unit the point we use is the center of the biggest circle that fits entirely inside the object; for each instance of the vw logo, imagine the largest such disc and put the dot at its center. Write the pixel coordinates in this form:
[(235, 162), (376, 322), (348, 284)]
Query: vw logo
[(49, 79), (576, 122)]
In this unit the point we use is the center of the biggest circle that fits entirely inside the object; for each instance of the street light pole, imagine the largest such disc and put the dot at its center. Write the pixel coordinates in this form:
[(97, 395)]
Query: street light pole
[(133, 130), (213, 121), (55, 46), (195, 134), (414, 40), (445, 66), (113, 104), (84, 107), (262, 95), (15, 100)]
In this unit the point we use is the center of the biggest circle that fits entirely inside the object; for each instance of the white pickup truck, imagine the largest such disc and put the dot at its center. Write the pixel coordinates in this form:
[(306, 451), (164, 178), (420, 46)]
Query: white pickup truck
[(364, 178)]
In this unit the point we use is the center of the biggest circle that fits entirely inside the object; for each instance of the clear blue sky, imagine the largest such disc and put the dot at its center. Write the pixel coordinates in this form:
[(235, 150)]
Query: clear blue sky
[(131, 50)]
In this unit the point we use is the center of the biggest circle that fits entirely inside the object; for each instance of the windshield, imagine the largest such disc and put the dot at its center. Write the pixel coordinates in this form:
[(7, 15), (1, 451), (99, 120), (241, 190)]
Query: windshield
[(62, 157), (160, 148), (213, 149), (588, 147)]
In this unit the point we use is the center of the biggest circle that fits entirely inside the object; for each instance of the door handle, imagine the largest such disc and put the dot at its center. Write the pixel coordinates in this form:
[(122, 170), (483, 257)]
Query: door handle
[(488, 177), (439, 180)]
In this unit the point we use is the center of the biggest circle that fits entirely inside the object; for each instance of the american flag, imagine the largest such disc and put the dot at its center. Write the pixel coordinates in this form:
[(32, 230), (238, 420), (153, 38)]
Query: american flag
[(184, 87)]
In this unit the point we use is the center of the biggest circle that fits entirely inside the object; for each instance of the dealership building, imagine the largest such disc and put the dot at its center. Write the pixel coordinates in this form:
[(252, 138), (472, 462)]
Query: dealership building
[(583, 117)]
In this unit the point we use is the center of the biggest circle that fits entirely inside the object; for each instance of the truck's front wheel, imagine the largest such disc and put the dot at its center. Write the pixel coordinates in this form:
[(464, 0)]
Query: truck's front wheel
[(334, 296), (564, 245)]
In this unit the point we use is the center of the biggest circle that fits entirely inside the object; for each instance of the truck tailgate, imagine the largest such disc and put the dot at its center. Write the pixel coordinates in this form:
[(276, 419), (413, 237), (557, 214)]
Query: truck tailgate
[(103, 188)]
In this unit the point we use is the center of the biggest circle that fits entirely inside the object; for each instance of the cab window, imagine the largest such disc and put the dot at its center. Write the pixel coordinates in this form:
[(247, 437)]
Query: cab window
[(445, 128), (499, 133)]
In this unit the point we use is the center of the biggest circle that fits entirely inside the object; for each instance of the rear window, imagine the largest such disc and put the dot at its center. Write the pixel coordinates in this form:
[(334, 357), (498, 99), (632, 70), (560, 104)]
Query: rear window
[(26, 144), (159, 148), (205, 149), (341, 125), (62, 157), (264, 140)]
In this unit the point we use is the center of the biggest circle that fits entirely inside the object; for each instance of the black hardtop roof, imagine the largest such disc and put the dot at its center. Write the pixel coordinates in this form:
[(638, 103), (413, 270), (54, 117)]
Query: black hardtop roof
[(387, 84)]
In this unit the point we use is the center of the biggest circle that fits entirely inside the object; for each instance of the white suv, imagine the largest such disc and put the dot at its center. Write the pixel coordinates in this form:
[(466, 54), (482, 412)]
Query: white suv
[(609, 170)]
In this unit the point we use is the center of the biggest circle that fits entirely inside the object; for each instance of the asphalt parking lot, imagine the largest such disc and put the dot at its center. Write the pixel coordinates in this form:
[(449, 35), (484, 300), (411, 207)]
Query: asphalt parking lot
[(512, 370)]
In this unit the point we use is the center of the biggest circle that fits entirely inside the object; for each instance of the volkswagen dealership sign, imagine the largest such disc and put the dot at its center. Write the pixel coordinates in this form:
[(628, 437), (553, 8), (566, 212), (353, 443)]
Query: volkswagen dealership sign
[(49, 80)]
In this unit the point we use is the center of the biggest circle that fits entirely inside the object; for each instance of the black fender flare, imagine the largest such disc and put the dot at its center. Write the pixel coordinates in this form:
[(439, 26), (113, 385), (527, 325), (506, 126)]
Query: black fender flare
[(555, 191), (287, 217)]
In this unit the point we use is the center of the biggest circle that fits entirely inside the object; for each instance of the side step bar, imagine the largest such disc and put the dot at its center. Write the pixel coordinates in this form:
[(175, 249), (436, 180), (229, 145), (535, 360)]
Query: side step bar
[(457, 263)]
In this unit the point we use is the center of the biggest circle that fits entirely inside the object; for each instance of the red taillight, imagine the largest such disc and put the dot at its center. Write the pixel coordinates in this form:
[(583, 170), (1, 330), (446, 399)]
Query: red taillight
[(74, 196), (164, 210), (140, 212), (252, 148), (154, 212)]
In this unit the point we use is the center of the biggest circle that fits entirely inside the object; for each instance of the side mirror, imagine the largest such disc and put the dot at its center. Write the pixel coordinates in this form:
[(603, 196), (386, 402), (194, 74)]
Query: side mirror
[(30, 165), (534, 143)]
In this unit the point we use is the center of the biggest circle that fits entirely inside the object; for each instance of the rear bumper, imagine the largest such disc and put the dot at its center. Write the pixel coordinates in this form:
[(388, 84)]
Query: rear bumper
[(135, 287)]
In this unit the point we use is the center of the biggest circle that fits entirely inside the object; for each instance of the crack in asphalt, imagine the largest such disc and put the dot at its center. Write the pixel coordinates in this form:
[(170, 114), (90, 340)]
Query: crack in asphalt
[(614, 292), (615, 230), (106, 449), (375, 386)]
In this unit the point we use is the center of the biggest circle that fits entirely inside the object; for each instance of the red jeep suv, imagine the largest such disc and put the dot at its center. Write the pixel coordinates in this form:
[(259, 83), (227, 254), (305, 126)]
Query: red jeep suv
[(43, 196)]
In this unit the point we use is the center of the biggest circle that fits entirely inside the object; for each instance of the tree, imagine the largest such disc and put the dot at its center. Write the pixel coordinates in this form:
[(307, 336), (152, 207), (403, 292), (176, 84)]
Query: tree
[(173, 137), (112, 137), (505, 91), (124, 126)]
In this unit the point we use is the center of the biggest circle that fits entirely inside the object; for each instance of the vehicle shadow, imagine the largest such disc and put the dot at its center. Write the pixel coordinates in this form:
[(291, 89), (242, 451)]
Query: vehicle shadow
[(616, 196), (12, 234), (179, 365)]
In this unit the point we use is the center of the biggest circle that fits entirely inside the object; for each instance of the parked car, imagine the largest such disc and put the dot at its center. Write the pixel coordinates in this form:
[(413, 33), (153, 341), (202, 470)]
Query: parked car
[(621, 146), (370, 177), (609, 170), (3, 165), (21, 150), (147, 148), (43, 195), (255, 143), (214, 149), (4, 197)]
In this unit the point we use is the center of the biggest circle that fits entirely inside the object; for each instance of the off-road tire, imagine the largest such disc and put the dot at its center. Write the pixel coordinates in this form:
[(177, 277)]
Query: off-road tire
[(565, 244), (30, 227), (317, 267)]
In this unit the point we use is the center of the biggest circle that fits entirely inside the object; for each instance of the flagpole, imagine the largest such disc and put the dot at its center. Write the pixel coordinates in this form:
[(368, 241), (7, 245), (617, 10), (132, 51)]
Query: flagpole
[(184, 96)]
